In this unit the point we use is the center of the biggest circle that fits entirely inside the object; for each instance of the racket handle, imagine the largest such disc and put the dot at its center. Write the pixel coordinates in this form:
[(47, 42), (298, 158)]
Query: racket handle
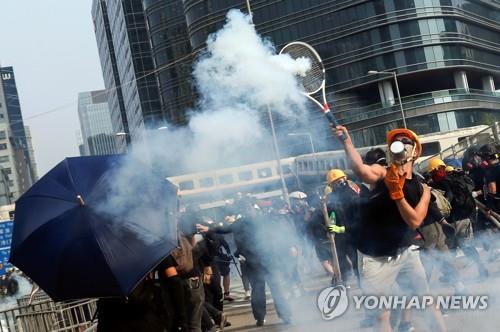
[(334, 122)]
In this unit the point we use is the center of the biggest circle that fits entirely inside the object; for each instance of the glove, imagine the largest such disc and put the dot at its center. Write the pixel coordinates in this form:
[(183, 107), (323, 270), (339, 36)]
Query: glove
[(336, 229), (476, 194), (395, 183)]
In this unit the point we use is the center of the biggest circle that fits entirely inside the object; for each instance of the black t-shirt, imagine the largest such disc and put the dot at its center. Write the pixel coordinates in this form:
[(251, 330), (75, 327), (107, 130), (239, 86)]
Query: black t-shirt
[(345, 202), (169, 261), (382, 230), (492, 174)]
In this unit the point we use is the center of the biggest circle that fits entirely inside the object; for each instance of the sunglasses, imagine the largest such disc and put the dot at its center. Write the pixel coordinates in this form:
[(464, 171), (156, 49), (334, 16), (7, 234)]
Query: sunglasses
[(405, 140)]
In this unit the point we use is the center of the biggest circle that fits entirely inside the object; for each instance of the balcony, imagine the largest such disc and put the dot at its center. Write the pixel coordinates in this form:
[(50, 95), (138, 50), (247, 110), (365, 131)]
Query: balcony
[(421, 104)]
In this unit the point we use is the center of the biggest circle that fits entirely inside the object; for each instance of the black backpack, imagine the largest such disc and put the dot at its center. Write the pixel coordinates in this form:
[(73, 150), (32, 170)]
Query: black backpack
[(463, 203)]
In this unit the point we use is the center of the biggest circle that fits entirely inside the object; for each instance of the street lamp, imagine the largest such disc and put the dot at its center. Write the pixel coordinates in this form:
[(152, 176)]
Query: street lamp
[(284, 188), (394, 75)]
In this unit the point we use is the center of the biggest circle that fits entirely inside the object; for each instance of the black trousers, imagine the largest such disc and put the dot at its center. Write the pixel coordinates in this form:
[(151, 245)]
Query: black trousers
[(195, 299), (258, 278)]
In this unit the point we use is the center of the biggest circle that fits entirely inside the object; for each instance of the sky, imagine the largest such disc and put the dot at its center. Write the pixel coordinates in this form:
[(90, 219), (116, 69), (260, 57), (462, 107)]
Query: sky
[(52, 47)]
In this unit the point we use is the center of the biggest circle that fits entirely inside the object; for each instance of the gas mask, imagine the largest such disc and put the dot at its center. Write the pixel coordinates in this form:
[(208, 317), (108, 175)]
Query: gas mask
[(402, 151), (439, 175)]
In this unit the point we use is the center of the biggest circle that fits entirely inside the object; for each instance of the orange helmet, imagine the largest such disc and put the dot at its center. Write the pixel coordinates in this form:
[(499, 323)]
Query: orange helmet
[(407, 133)]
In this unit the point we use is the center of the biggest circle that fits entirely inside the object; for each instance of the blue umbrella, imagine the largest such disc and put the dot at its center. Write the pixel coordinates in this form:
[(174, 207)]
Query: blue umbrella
[(93, 227)]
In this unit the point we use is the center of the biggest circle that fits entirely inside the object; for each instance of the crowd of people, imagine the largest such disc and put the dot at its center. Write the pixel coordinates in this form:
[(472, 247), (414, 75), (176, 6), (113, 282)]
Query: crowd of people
[(381, 227)]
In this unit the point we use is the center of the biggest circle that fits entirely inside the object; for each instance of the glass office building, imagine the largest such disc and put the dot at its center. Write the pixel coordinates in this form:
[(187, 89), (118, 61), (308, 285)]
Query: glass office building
[(445, 54), (16, 123), (95, 122), (172, 56), (110, 73), (134, 63)]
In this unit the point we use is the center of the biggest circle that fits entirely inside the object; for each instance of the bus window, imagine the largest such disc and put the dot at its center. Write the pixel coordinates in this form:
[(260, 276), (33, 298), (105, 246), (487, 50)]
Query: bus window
[(286, 169), (186, 185), (206, 182), (245, 176), (264, 172), (226, 179), (430, 148)]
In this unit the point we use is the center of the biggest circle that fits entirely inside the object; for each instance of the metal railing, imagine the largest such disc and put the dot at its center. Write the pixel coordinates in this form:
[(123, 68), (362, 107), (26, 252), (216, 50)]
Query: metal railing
[(456, 151), (417, 101), (47, 315)]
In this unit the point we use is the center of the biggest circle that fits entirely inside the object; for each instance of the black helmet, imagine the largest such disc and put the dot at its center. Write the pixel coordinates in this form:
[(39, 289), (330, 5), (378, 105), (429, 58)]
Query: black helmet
[(376, 156), (488, 152)]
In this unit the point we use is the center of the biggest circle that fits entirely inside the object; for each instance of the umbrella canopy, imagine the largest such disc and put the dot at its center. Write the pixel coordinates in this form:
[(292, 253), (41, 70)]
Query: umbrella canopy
[(89, 228)]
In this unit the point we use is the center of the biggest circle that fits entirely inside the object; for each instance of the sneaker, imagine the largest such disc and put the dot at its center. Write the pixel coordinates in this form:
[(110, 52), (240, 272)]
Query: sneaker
[(406, 327), (222, 321), (227, 297), (248, 295), (260, 322)]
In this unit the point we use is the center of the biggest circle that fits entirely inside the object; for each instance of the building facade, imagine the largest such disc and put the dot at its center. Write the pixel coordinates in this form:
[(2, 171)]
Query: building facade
[(31, 152), (97, 130), (111, 77), (15, 120), (444, 52), (134, 71), (172, 57)]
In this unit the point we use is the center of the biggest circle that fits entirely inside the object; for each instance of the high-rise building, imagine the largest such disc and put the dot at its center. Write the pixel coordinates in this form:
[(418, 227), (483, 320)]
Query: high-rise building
[(110, 73), (441, 56), (443, 53), (129, 61), (31, 152), (15, 119), (172, 56), (98, 135)]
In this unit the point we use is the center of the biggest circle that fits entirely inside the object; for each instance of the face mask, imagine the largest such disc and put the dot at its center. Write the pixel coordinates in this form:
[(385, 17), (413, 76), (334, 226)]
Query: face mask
[(401, 153), (484, 164), (438, 175)]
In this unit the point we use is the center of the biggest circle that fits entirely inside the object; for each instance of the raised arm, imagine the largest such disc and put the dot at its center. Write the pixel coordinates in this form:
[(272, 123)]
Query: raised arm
[(414, 217), (369, 174)]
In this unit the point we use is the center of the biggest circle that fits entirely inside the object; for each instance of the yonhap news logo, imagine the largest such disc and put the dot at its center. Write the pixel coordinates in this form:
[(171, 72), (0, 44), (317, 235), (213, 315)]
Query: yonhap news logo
[(332, 302)]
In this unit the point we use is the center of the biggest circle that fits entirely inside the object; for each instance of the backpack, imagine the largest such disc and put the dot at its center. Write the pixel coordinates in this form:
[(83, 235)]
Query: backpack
[(463, 203), (183, 256), (442, 203)]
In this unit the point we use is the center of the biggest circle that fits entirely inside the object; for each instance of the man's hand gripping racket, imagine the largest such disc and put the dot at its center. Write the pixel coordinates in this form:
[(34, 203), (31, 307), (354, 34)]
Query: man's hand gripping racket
[(313, 79)]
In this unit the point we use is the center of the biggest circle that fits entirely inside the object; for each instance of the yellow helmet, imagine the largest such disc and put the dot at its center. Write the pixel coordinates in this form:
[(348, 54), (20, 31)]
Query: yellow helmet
[(334, 175), (449, 169), (434, 164)]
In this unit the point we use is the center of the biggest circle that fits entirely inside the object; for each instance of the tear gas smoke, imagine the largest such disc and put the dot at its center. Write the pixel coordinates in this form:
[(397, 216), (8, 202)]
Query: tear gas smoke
[(237, 78)]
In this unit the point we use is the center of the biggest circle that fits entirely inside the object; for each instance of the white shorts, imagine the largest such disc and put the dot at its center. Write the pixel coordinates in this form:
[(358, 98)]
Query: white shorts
[(382, 275)]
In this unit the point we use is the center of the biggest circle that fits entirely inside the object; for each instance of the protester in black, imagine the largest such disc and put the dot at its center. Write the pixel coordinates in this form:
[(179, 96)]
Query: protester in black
[(395, 208), (458, 188), (343, 206), (253, 239)]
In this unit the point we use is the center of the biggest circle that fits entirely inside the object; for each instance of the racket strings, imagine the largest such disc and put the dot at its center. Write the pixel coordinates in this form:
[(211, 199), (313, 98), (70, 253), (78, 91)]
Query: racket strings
[(313, 78)]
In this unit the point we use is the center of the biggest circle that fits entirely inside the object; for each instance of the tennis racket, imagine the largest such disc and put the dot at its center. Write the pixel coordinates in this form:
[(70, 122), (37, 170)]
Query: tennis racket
[(313, 80)]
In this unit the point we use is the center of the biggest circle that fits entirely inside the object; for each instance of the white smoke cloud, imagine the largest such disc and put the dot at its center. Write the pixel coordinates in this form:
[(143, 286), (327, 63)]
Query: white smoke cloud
[(237, 78), (239, 65)]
